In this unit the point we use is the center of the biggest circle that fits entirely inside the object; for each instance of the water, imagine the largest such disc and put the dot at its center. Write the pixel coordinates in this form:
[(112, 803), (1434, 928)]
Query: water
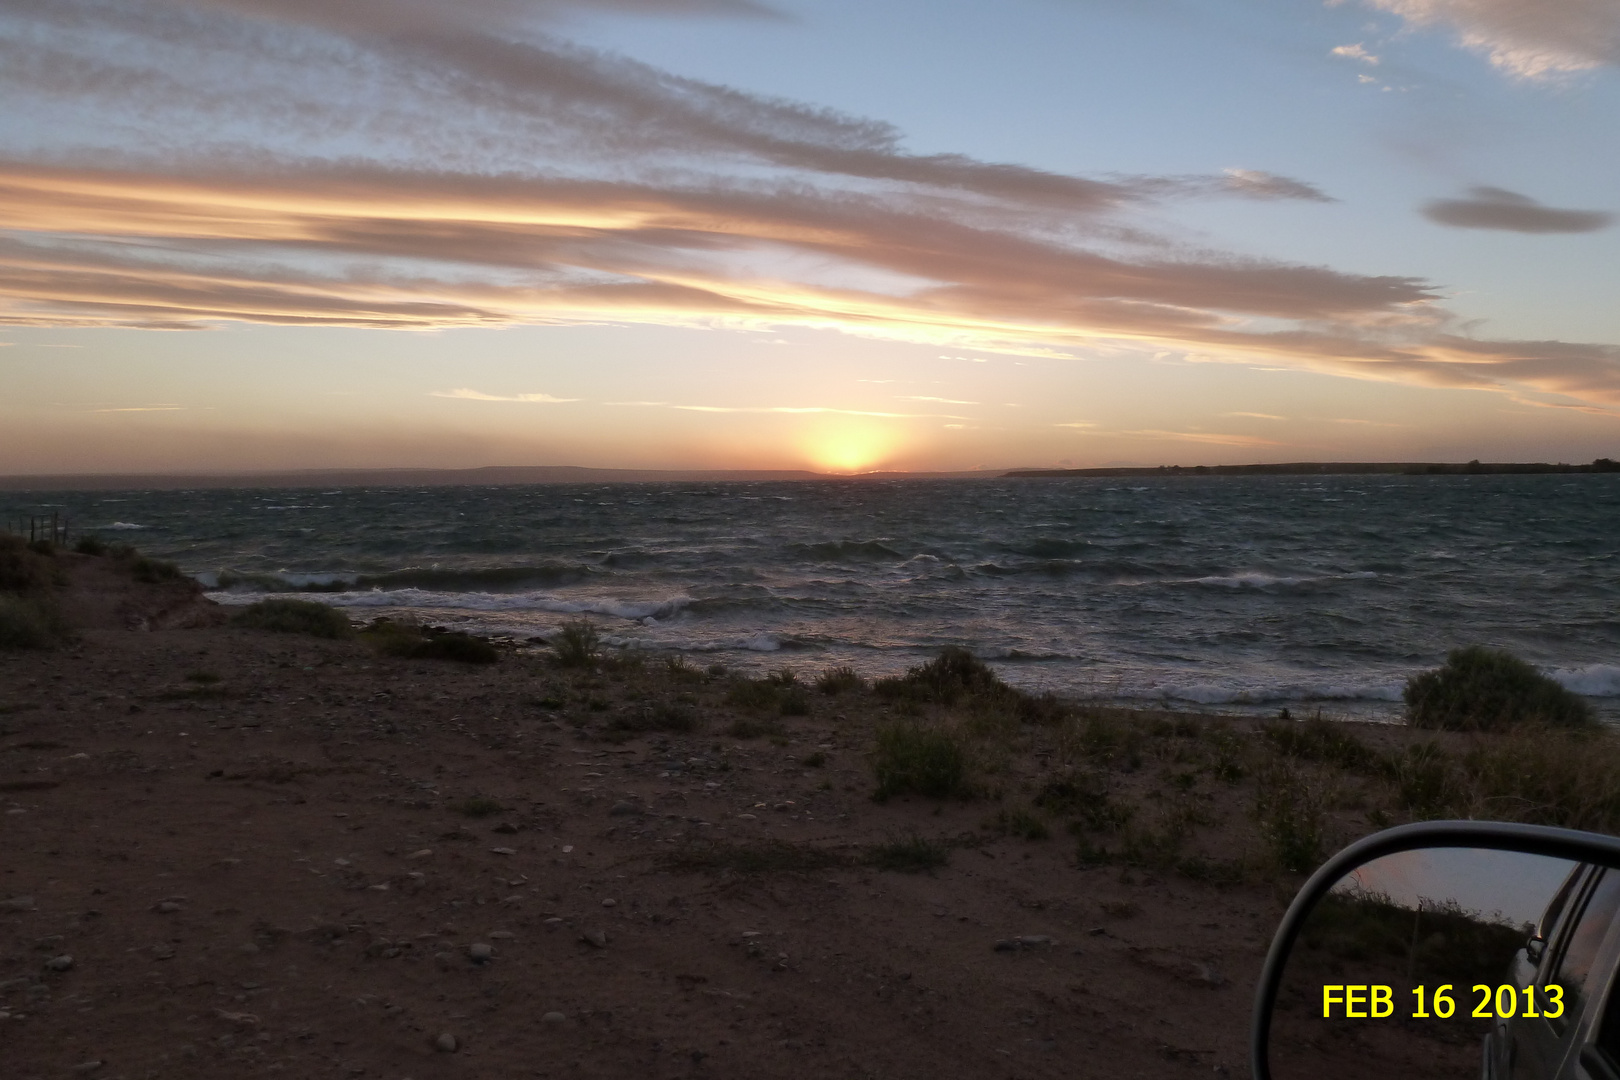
[(1241, 592)]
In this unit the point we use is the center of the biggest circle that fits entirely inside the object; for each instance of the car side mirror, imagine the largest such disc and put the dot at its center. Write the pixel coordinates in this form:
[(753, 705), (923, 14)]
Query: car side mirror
[(1448, 950)]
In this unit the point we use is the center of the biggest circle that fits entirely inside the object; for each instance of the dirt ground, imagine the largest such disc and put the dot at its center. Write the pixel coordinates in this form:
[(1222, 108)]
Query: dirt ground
[(227, 852)]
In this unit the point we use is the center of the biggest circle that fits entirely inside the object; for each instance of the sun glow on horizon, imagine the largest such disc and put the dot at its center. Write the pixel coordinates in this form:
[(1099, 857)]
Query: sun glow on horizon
[(850, 447)]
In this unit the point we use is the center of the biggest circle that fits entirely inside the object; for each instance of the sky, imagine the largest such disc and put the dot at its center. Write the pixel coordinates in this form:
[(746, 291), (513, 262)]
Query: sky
[(846, 236)]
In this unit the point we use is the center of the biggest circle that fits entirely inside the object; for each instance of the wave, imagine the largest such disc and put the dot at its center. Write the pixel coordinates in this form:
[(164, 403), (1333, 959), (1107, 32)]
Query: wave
[(1592, 680), (1255, 579), (634, 610), (125, 525), (486, 579), (1217, 694), (846, 551)]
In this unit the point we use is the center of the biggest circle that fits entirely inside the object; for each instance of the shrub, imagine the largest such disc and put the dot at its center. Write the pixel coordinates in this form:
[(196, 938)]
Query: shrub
[(295, 617), (1480, 689), (24, 624), (479, 806), (666, 716), (91, 545), (23, 570), (577, 644), (1322, 740), (748, 728), (795, 702), (154, 571), (754, 693), (454, 645), (1292, 817), (839, 680), (1020, 822), (912, 759)]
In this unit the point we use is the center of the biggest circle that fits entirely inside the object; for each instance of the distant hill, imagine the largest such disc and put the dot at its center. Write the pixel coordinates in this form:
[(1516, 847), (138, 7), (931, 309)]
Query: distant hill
[(1338, 468)]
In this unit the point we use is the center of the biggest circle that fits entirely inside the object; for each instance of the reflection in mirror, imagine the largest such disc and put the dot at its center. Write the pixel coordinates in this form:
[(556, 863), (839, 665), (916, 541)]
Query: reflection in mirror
[(1450, 963)]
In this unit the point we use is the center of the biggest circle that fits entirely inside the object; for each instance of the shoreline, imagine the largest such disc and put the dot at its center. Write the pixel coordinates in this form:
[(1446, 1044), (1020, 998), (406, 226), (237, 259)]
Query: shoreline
[(274, 853)]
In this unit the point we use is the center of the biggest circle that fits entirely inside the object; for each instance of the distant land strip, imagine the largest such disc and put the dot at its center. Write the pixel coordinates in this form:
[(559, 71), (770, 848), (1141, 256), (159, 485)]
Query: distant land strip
[(1339, 468), (569, 474)]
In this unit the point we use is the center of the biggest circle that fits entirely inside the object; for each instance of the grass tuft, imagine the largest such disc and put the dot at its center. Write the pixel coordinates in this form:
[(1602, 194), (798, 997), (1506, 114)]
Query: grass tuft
[(1480, 689), (839, 680), (295, 617), (910, 856), (577, 644), (914, 759)]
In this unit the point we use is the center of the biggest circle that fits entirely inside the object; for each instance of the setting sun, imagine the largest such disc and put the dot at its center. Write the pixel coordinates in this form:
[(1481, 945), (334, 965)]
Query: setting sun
[(850, 448)]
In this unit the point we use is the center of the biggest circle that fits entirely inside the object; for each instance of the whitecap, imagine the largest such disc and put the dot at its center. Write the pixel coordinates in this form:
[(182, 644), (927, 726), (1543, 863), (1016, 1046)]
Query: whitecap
[(122, 525), (1593, 680)]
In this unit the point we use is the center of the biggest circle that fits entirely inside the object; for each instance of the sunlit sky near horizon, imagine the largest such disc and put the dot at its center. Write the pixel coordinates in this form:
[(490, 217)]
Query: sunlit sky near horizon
[(902, 235)]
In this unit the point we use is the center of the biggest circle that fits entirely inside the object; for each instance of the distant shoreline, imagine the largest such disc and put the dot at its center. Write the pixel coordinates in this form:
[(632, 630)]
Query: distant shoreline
[(569, 474)]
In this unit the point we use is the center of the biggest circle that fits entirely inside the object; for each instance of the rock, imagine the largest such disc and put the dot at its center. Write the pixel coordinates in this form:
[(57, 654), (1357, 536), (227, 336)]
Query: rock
[(1034, 941), (17, 903), (59, 963), (446, 1043), (480, 953), (553, 1018), (610, 902), (1009, 945), (425, 853), (166, 907), (595, 938), (162, 952), (624, 809), (241, 1019), (501, 935), (552, 923), (504, 850)]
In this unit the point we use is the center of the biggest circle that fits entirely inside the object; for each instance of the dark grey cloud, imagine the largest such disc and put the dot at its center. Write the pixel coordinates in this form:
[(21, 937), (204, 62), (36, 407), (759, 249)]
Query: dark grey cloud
[(1497, 208)]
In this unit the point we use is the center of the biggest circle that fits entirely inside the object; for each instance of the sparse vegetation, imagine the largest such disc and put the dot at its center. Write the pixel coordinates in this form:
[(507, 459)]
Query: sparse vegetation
[(295, 617), (839, 680), (1291, 811), (413, 642), (913, 855), (90, 545), (745, 727), (577, 644), (154, 571), (665, 716), (28, 615), (914, 759), (24, 624), (1480, 689), (479, 806), (1021, 822)]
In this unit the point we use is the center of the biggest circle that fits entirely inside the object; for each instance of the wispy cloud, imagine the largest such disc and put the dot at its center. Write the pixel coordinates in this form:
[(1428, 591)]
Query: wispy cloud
[(142, 408), (477, 395), (796, 410), (1256, 415), (1530, 41), (1075, 424), (941, 400), (1355, 52), (1211, 438), (1496, 208)]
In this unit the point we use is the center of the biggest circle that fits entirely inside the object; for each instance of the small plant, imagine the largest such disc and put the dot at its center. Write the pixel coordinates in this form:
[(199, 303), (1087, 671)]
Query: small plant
[(666, 716), (91, 545), (1480, 689), (295, 617), (479, 806), (913, 759), (754, 693), (795, 701), (1292, 818), (839, 680), (911, 856), (1022, 823), (678, 670), (578, 644)]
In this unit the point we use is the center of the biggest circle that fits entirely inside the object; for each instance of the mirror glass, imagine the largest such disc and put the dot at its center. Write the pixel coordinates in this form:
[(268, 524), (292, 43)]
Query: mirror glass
[(1455, 963)]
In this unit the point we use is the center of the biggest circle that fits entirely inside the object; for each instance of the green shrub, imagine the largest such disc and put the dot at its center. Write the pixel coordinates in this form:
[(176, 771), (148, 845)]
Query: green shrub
[(578, 644), (1322, 740), (839, 680), (913, 759), (1291, 813), (749, 693), (24, 624), (154, 571), (295, 617), (1480, 689), (90, 545), (795, 701)]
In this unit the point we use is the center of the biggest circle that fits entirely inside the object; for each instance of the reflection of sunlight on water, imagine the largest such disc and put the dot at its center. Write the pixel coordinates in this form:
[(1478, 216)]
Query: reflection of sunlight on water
[(1507, 886)]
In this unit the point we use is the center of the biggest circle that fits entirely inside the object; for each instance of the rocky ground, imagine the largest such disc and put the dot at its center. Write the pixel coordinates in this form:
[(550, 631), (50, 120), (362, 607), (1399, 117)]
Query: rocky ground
[(227, 852)]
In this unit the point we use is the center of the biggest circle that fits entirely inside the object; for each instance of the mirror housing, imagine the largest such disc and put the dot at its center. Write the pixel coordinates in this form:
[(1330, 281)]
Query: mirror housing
[(1567, 844)]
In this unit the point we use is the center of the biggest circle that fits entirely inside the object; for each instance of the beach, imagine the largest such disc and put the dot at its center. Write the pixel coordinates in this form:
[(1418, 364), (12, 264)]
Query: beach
[(234, 851)]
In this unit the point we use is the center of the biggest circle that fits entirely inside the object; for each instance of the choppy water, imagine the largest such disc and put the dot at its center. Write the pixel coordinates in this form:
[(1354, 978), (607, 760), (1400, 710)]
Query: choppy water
[(1257, 591)]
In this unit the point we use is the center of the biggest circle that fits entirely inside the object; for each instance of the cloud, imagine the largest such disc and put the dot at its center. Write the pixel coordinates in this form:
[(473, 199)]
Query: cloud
[(1256, 415), (476, 395), (1355, 52), (1075, 424), (1210, 438), (941, 400), (296, 163), (1539, 40), (1495, 208), (143, 408)]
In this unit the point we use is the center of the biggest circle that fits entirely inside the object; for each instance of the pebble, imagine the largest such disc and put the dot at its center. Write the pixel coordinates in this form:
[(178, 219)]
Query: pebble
[(60, 963), (501, 935), (17, 903), (446, 1043), (553, 1018), (166, 907), (624, 809), (425, 853), (480, 953), (552, 923), (504, 850), (595, 938), (610, 902), (88, 1066)]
